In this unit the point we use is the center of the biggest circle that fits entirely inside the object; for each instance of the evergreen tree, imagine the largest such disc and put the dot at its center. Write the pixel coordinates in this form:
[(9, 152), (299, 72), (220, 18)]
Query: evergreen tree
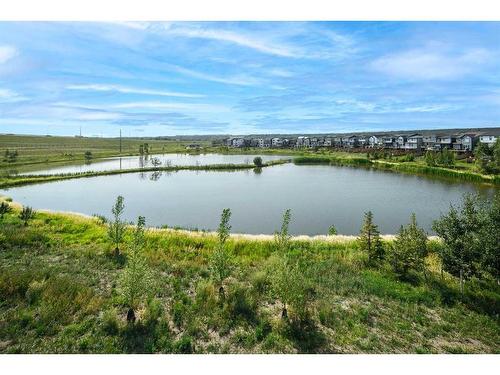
[(116, 228), (221, 260), (409, 249), (136, 281), (369, 239), (27, 214), (459, 230)]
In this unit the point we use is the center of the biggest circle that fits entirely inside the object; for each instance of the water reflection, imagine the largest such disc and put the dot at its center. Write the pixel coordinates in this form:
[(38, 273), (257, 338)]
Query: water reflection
[(319, 196), (144, 161)]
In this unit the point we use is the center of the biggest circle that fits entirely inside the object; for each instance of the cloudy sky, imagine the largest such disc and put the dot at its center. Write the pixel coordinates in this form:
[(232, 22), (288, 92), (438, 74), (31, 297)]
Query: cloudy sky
[(242, 78)]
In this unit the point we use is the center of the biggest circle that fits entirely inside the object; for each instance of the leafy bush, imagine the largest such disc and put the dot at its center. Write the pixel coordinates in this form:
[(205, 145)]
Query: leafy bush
[(4, 209), (184, 345), (257, 161), (110, 322), (240, 303)]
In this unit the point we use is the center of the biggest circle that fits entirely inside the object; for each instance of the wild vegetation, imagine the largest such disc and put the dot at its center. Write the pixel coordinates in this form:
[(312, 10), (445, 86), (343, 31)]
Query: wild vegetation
[(63, 289), (488, 158)]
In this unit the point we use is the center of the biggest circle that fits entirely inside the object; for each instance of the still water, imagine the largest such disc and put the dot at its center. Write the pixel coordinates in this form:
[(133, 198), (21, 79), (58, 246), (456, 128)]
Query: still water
[(129, 162), (318, 196)]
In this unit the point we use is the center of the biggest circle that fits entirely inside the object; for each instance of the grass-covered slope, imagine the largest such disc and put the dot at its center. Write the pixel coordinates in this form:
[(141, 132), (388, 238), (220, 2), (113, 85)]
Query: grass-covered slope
[(59, 293)]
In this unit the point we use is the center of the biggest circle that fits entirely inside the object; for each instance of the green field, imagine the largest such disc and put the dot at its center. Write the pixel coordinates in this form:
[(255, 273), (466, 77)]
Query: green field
[(60, 292), (46, 149)]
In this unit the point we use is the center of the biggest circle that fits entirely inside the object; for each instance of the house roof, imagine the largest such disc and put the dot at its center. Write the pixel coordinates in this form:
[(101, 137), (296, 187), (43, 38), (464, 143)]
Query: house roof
[(493, 131)]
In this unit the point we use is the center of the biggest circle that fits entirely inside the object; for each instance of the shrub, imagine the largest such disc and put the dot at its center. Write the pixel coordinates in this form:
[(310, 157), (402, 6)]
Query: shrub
[(179, 311), (88, 155), (332, 231), (27, 214), (263, 329), (290, 286), (4, 209), (260, 282), (110, 322), (154, 311), (257, 161), (240, 303), (184, 345)]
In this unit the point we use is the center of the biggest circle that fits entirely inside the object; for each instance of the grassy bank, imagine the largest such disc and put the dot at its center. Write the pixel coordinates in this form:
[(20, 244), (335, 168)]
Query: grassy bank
[(402, 167), (12, 181), (59, 292)]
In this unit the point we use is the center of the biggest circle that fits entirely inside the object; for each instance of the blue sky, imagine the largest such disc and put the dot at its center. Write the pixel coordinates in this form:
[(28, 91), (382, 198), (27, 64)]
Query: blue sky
[(247, 77)]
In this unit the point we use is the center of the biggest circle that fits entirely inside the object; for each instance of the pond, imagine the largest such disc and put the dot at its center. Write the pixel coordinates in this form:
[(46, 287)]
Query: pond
[(129, 162), (318, 196)]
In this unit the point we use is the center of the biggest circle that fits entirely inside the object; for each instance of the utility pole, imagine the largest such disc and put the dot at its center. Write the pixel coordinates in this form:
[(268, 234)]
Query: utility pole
[(120, 141)]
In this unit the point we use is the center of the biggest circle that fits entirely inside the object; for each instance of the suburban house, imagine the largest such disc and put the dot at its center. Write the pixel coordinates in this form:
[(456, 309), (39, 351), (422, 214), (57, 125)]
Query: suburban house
[(400, 141), (362, 141), (467, 142), (337, 141), (388, 141), (429, 141), (490, 137), (302, 142), (235, 142), (350, 141), (445, 141), (463, 142), (414, 142), (276, 142), (375, 141)]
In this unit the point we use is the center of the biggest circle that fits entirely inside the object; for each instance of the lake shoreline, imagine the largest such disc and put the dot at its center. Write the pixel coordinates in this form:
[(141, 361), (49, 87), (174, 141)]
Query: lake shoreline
[(337, 238)]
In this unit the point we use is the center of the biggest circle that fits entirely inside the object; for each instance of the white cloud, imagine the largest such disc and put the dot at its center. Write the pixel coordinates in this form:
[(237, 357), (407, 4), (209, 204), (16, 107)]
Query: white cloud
[(131, 90), (253, 42), (240, 80), (7, 53), (9, 96), (430, 64), (315, 42), (280, 73), (173, 106)]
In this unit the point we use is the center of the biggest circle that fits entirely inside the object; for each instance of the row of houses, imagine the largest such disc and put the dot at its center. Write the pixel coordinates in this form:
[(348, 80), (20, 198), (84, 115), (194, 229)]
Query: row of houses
[(415, 142)]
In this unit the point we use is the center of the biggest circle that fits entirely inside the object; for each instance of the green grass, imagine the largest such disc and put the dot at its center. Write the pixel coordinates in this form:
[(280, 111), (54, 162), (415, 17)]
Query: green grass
[(59, 294), (416, 167), (47, 149)]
